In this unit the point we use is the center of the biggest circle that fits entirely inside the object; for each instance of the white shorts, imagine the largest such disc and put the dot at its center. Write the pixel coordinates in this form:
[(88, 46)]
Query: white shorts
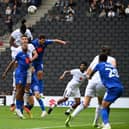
[(72, 90), (95, 87)]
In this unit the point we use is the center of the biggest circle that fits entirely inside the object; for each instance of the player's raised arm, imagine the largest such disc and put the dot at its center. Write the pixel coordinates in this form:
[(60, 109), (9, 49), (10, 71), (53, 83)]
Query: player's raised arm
[(60, 41), (7, 69), (63, 75)]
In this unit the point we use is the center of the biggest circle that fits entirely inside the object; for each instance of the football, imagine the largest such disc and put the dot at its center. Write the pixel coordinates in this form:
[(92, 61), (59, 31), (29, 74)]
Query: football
[(32, 9)]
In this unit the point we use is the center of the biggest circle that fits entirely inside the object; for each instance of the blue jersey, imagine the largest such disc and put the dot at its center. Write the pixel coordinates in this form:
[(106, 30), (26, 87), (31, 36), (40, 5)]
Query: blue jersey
[(23, 61), (40, 49), (21, 70), (109, 75)]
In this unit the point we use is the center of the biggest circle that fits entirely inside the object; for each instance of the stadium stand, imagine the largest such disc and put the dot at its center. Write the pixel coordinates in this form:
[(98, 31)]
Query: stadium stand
[(86, 36)]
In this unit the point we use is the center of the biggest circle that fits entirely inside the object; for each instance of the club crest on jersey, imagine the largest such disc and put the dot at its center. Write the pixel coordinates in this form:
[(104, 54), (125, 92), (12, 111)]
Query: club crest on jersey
[(27, 60), (39, 50)]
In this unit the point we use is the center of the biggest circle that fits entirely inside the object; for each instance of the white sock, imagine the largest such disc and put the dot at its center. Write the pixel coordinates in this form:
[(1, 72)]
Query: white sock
[(26, 98), (77, 110), (97, 113)]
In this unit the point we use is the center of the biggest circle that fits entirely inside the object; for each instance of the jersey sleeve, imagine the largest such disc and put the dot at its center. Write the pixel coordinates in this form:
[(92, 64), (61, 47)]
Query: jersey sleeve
[(16, 51), (28, 33), (31, 47), (49, 41), (94, 62), (13, 34), (73, 71)]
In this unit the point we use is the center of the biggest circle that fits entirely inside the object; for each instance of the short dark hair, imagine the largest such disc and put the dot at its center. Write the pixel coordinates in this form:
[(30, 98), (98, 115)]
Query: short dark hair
[(102, 58), (105, 49), (42, 37), (83, 62), (23, 29), (24, 35)]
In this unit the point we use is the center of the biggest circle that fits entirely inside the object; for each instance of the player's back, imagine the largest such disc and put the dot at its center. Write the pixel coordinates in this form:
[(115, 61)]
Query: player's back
[(96, 77), (109, 75)]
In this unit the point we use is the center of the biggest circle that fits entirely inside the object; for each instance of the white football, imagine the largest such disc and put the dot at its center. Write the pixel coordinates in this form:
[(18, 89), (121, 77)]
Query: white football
[(32, 9)]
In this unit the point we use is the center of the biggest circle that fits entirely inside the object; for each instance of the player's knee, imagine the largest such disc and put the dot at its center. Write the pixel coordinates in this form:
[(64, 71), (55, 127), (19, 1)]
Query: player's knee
[(37, 96), (40, 75)]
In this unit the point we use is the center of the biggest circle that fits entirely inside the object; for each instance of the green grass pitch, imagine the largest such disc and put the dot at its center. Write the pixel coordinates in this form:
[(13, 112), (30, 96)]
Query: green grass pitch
[(119, 119)]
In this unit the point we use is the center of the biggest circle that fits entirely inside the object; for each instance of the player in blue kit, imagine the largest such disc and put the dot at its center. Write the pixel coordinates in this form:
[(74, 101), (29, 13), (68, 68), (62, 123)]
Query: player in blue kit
[(114, 88), (40, 45), (23, 61), (36, 91)]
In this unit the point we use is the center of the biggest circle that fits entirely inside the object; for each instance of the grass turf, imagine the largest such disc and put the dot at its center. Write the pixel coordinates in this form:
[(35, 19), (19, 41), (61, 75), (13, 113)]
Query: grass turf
[(119, 119)]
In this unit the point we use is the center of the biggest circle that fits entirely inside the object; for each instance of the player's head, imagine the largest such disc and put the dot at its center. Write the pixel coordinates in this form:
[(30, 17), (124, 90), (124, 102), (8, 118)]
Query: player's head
[(102, 58), (105, 49), (23, 27), (83, 66), (41, 39), (24, 39), (24, 47)]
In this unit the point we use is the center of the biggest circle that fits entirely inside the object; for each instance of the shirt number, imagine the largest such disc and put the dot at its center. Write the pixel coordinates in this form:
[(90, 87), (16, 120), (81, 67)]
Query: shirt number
[(112, 72)]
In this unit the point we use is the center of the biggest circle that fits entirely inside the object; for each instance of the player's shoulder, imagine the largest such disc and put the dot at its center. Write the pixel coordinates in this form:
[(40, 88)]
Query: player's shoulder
[(15, 32), (75, 70), (111, 58), (28, 31)]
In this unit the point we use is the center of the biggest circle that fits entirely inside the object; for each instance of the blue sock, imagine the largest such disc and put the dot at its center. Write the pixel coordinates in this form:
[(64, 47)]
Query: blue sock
[(105, 115), (19, 104), (41, 104)]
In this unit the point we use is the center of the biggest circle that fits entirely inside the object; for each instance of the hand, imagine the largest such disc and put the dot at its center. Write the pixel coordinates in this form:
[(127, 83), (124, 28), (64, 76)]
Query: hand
[(61, 77), (3, 76)]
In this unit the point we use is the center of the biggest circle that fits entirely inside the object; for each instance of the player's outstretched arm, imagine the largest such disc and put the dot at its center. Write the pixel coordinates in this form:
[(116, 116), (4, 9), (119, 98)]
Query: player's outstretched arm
[(60, 41), (7, 69), (63, 75)]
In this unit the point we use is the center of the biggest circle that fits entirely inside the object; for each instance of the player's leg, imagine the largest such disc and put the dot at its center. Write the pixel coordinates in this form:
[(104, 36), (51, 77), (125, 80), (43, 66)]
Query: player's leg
[(38, 89), (67, 93), (77, 102), (41, 103), (12, 107), (27, 87), (77, 97), (55, 104), (89, 93), (100, 91), (110, 96), (19, 100)]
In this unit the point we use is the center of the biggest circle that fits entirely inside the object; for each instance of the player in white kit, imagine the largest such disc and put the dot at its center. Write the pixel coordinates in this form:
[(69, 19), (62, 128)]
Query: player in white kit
[(94, 88), (15, 41), (72, 88)]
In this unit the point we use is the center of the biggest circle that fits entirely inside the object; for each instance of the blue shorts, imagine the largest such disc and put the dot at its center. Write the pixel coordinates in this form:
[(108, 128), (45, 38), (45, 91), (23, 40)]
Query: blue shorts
[(20, 78), (112, 94), (38, 66)]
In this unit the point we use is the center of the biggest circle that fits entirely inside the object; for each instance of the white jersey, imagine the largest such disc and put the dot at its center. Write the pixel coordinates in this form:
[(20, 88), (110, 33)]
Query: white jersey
[(95, 62), (72, 88), (17, 36), (31, 48), (95, 86), (78, 76)]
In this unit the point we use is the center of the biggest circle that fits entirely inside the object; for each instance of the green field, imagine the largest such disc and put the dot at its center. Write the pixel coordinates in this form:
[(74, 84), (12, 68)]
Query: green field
[(119, 119)]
